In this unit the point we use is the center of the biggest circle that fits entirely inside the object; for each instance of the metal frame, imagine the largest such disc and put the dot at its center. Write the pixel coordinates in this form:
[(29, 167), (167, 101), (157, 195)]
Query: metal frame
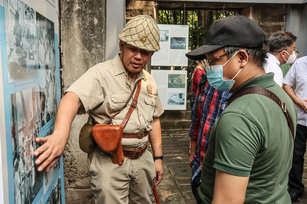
[(241, 1)]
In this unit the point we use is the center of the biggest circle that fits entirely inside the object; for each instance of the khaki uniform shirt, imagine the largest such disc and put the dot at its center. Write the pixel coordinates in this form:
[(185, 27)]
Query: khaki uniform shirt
[(104, 90)]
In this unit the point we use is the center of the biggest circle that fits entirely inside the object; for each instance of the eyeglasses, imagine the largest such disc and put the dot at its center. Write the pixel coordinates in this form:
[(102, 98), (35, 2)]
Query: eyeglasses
[(212, 61), (135, 50), (293, 50)]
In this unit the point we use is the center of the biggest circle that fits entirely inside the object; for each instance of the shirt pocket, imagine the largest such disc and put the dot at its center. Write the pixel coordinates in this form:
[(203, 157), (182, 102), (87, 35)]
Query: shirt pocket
[(117, 102), (149, 107)]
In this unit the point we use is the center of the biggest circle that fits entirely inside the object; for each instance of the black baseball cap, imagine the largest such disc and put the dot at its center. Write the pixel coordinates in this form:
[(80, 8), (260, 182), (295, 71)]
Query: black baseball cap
[(232, 31)]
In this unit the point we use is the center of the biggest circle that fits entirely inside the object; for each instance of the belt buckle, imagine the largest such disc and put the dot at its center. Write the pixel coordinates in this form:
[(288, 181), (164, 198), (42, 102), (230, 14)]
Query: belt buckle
[(139, 135)]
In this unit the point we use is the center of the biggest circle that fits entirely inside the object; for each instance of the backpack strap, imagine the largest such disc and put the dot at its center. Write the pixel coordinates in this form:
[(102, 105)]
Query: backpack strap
[(269, 94)]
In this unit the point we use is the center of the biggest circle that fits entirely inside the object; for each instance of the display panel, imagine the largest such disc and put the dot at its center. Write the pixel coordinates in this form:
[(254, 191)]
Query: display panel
[(174, 41), (29, 97), (172, 86)]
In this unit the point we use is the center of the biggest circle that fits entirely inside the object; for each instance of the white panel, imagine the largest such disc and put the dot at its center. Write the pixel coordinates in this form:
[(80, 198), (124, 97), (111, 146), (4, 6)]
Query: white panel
[(48, 8), (115, 21)]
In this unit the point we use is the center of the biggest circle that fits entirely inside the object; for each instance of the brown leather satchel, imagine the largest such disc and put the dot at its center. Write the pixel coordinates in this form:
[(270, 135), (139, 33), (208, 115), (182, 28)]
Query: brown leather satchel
[(109, 137)]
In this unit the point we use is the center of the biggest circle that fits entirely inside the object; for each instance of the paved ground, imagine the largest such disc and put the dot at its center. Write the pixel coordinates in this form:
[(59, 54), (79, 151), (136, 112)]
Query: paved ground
[(175, 187)]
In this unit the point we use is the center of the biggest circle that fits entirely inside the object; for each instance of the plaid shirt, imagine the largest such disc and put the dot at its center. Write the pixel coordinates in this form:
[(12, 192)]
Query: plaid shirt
[(207, 106)]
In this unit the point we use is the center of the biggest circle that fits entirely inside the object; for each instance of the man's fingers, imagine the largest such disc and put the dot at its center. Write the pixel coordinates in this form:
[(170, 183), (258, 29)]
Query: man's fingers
[(40, 150), (44, 159), (52, 163), (41, 139), (158, 178)]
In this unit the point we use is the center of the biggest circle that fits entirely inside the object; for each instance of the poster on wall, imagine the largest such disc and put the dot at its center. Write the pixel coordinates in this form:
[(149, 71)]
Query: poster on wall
[(29, 96), (172, 86), (174, 42)]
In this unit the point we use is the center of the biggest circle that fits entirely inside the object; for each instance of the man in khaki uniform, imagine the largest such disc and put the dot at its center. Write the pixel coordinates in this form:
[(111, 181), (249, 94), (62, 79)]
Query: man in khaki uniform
[(102, 93)]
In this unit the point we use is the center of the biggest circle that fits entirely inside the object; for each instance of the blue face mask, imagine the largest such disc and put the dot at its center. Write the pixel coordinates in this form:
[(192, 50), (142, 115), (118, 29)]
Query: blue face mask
[(215, 77)]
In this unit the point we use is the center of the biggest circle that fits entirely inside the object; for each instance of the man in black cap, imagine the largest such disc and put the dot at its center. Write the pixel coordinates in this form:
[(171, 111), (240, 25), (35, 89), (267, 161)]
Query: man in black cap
[(251, 144)]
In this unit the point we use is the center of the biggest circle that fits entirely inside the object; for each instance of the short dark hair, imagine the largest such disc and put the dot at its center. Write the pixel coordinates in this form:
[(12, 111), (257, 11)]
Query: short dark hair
[(280, 40), (258, 55)]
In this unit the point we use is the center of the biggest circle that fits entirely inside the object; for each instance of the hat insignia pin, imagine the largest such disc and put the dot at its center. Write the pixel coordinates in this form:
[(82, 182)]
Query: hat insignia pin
[(143, 39)]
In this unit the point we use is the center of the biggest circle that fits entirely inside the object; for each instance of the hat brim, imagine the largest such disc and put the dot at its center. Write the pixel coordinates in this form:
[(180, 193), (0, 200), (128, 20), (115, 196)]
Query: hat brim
[(200, 53)]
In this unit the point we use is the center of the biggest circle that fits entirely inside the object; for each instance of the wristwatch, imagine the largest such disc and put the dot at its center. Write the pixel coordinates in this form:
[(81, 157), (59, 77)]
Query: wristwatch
[(160, 157)]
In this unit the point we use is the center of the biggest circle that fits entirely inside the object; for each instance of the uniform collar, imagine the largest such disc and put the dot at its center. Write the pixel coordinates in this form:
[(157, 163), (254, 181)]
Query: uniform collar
[(264, 81), (120, 69)]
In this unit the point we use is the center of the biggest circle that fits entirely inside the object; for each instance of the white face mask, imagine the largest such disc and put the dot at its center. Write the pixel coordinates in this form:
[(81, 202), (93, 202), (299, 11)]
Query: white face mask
[(291, 58)]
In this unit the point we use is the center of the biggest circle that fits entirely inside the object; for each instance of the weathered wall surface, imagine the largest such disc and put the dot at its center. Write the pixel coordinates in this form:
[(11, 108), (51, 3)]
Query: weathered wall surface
[(297, 23), (82, 46), (271, 18), (134, 8)]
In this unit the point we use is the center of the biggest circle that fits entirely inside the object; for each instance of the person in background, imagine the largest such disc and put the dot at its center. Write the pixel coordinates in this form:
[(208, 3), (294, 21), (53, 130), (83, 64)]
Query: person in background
[(102, 92), (297, 76), (243, 162), (281, 51), (207, 105)]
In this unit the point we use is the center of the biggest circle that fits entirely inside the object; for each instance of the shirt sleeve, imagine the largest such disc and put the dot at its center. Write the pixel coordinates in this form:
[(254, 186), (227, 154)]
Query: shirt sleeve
[(159, 109), (196, 112), (237, 142), (89, 88), (195, 121), (290, 76)]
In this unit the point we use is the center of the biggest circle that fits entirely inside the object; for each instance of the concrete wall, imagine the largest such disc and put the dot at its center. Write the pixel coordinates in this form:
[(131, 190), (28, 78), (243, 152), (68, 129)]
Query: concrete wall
[(297, 24), (82, 46)]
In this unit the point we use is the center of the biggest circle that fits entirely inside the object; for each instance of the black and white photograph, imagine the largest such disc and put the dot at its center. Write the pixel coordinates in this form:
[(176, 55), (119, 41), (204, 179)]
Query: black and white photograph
[(25, 128), (164, 35), (47, 68), (178, 43), (20, 38), (176, 81), (55, 195), (175, 98)]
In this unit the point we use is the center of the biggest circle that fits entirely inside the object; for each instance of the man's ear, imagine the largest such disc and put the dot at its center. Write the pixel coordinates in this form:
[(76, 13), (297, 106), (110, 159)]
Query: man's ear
[(283, 54), (121, 45), (243, 57)]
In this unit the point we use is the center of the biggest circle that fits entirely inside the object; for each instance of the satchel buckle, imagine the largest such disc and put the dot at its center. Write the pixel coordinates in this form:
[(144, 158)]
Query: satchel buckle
[(283, 107)]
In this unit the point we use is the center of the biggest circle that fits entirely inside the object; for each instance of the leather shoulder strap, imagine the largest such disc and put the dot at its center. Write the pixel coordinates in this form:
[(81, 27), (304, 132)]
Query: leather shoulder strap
[(269, 94), (133, 105)]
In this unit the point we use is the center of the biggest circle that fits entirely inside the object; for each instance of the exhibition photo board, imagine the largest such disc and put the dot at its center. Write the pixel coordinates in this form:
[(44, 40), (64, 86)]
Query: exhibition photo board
[(29, 97)]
